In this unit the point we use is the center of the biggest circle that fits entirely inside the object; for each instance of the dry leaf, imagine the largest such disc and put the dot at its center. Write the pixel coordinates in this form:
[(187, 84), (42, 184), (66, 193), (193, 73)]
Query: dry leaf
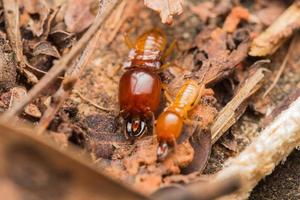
[(204, 10), (45, 48), (78, 15), (33, 111), (39, 11), (166, 8)]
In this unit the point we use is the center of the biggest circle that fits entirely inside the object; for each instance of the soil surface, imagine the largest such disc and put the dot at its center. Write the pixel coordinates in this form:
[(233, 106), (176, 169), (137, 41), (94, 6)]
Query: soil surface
[(283, 183)]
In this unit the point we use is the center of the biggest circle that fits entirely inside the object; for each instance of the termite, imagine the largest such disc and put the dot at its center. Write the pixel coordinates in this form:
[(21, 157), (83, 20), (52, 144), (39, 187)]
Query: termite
[(170, 123), (140, 86)]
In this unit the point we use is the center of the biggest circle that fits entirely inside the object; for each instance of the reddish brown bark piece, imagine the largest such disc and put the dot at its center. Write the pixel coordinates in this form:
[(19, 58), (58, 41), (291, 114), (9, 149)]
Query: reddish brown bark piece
[(233, 19)]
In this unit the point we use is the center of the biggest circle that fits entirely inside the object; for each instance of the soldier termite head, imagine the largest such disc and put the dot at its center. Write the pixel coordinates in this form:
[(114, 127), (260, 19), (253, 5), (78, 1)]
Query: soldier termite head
[(135, 127)]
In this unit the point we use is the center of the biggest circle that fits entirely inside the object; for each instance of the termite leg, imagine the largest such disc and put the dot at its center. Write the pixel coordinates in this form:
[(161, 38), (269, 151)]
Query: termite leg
[(164, 66), (201, 89), (192, 122), (167, 93), (128, 41), (169, 50)]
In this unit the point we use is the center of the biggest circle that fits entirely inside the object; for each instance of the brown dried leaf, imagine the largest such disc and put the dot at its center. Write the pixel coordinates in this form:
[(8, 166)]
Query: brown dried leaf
[(204, 10), (33, 111), (166, 8), (78, 15), (45, 48), (60, 37), (17, 94), (201, 142), (217, 61), (39, 11), (31, 78)]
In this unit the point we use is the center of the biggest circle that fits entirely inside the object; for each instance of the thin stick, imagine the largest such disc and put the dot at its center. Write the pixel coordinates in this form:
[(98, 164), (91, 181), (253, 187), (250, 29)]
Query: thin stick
[(281, 68), (271, 146), (91, 102), (275, 35), (65, 89), (227, 116), (62, 64)]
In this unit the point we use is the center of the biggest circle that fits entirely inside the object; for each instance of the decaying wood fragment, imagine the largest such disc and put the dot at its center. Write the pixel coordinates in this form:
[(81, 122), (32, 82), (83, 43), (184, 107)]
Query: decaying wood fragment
[(272, 145), (229, 115), (34, 166), (272, 38)]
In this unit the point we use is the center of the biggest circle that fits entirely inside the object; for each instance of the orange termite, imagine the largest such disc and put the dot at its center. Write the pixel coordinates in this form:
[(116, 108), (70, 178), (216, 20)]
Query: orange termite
[(170, 123), (140, 86)]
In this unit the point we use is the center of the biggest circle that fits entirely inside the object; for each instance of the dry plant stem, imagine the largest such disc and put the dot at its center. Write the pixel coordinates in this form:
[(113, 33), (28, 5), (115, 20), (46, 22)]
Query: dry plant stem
[(12, 20), (272, 145), (281, 68), (227, 116), (272, 38), (91, 102), (71, 77), (62, 64)]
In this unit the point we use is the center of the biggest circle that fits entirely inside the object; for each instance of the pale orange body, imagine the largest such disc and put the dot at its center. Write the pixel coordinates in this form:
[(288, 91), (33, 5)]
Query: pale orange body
[(170, 123)]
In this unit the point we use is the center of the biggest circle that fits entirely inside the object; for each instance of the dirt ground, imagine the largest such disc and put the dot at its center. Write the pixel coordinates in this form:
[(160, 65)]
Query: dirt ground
[(283, 183), (202, 44)]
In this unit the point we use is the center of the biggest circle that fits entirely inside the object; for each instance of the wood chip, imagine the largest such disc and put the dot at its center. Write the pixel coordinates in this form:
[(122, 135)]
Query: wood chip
[(227, 116), (166, 8), (272, 38)]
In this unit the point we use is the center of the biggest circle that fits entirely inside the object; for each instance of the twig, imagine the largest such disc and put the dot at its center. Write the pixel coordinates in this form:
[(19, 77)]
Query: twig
[(62, 64), (71, 77), (12, 19), (271, 146), (91, 102), (228, 116), (272, 38), (281, 68)]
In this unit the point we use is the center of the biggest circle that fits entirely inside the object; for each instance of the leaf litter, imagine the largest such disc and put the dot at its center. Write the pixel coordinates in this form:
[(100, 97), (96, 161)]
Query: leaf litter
[(213, 49)]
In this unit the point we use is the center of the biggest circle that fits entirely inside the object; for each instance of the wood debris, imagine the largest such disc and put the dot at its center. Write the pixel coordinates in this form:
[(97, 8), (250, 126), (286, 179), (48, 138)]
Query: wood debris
[(69, 55), (272, 145), (229, 114), (272, 38), (166, 8)]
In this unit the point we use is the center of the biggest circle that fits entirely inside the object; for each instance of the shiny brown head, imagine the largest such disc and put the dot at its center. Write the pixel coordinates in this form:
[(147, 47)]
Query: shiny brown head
[(135, 127)]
